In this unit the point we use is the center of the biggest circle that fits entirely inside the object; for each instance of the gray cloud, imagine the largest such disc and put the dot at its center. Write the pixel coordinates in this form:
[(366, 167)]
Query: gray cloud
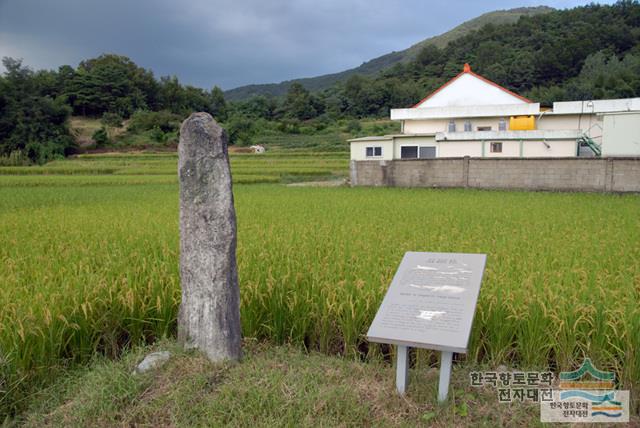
[(230, 43)]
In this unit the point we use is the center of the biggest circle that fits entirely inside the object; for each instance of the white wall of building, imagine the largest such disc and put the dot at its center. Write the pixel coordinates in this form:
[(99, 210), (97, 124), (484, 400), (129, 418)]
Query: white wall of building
[(414, 141), (425, 126), (590, 124), (359, 149), (468, 90), (457, 149), (498, 110), (597, 106), (472, 148), (510, 149), (432, 126), (621, 135), (552, 148)]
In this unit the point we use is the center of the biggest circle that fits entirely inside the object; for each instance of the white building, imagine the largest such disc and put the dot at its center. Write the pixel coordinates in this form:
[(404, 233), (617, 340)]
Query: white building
[(472, 116)]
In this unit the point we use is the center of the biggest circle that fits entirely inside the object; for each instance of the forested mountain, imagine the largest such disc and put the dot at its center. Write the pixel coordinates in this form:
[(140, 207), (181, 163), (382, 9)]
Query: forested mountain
[(582, 53), (374, 66), (590, 52)]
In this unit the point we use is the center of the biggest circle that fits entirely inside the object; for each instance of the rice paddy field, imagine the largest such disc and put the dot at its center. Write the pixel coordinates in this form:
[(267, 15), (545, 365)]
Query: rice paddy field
[(89, 264)]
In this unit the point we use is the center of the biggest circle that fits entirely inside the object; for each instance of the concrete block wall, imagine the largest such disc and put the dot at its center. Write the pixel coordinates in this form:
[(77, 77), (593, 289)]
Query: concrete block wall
[(538, 174), (565, 174), (625, 175), (447, 173)]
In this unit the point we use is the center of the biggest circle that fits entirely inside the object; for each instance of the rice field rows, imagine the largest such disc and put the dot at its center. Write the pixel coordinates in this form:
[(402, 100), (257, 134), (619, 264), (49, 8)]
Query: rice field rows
[(162, 168), (94, 269)]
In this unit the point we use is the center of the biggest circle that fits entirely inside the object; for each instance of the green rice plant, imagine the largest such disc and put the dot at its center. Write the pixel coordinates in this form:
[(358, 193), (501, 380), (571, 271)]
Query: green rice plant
[(51, 170), (284, 168), (89, 264), (114, 180)]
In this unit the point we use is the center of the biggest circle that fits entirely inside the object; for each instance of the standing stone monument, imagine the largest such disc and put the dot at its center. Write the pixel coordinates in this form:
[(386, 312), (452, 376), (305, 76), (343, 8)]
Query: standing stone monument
[(209, 316)]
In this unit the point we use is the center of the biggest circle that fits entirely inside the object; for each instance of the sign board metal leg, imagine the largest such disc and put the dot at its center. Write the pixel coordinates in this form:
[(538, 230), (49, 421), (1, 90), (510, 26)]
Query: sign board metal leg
[(446, 359), (402, 368)]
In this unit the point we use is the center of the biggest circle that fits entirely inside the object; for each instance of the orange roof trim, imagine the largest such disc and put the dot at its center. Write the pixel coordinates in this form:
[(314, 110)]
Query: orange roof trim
[(467, 70)]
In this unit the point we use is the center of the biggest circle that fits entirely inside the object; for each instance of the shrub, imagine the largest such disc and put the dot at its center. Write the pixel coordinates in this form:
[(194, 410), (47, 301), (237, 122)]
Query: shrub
[(147, 120), (15, 158), (240, 130), (101, 137), (321, 122), (49, 150), (113, 120), (353, 126), (290, 126), (158, 135)]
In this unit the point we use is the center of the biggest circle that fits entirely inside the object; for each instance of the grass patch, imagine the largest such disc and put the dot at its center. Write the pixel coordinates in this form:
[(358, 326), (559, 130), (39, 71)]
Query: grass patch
[(272, 386)]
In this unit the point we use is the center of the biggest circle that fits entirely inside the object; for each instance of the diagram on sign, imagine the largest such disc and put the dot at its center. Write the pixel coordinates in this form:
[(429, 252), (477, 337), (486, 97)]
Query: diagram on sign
[(446, 279)]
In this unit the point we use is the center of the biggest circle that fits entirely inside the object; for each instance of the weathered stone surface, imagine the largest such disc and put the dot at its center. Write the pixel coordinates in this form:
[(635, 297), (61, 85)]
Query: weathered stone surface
[(152, 361), (209, 316)]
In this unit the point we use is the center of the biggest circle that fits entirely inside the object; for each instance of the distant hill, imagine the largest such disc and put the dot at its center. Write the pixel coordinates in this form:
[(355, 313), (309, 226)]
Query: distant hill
[(376, 65)]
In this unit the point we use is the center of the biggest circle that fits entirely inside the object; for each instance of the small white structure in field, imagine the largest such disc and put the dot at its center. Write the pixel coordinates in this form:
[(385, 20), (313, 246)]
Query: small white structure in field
[(257, 148), (473, 116)]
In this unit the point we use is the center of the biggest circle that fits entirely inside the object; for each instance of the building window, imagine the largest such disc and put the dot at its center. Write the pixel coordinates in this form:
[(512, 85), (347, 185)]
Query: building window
[(496, 147), (452, 126), (409, 152), (484, 128), (467, 126), (373, 152), (502, 125), (427, 152)]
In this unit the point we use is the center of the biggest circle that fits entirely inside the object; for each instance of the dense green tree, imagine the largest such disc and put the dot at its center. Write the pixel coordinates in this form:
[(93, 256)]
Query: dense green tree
[(240, 130), (300, 104), (171, 94), (429, 61), (181, 99), (606, 76), (111, 83), (258, 107), (196, 99), (217, 104), (30, 122), (101, 136)]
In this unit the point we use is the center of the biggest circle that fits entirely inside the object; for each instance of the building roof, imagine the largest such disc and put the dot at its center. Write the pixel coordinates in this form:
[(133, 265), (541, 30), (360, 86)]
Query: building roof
[(539, 134), (390, 137), (458, 89), (596, 106), (373, 138)]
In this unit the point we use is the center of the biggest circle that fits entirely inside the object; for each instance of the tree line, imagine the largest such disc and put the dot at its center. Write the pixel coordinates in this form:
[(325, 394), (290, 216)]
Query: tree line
[(35, 105), (589, 52)]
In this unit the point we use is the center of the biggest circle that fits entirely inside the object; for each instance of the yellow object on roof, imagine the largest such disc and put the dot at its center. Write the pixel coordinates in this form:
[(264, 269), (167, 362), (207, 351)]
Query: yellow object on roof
[(522, 123)]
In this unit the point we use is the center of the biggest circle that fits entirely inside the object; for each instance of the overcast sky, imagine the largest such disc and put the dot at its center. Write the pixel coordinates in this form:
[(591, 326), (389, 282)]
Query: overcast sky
[(230, 43)]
